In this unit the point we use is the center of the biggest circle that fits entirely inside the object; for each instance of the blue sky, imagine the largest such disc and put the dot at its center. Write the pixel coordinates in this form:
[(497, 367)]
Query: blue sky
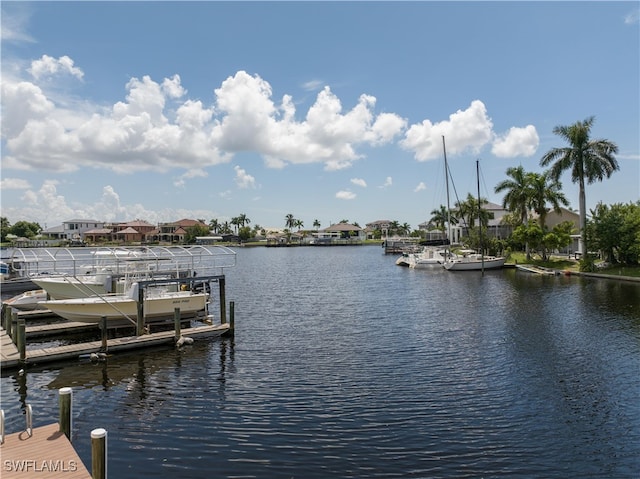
[(325, 110)]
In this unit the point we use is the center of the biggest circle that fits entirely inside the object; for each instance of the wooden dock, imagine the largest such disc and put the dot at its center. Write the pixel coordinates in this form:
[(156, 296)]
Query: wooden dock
[(530, 268), (10, 357), (47, 453)]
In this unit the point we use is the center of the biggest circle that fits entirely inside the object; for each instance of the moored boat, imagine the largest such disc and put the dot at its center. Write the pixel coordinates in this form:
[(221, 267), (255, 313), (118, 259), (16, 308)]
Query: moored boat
[(28, 300), (124, 307), (471, 261)]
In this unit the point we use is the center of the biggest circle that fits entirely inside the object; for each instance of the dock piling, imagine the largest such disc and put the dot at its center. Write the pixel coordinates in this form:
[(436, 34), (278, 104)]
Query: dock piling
[(103, 334), (223, 304), (21, 341), (65, 405), (99, 453), (232, 315), (176, 323), (14, 326)]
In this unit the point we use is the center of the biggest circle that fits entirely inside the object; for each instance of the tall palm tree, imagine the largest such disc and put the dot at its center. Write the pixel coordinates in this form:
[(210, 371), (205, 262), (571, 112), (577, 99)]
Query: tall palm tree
[(243, 220), (440, 217), (316, 224), (214, 224), (589, 160), (518, 193), (545, 190), (290, 221)]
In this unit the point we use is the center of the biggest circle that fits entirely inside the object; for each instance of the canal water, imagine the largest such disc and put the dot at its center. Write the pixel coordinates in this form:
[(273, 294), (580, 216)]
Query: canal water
[(345, 365)]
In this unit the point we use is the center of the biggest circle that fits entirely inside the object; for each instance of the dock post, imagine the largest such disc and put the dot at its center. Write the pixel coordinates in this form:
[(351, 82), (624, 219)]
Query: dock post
[(13, 330), (22, 340), (232, 315), (140, 318), (65, 406), (6, 315), (103, 334), (99, 453), (223, 299), (176, 322)]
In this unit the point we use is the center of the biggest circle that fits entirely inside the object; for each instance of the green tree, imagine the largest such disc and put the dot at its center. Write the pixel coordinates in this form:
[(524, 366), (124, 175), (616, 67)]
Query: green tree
[(518, 193), (25, 229), (316, 224), (214, 225), (615, 231), (192, 232), (546, 190), (289, 221), (589, 160), (243, 220), (4, 228), (441, 217)]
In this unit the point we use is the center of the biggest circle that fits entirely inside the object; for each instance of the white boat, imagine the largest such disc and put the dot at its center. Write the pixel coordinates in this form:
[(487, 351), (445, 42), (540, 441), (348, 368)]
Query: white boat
[(430, 257), (157, 302), (472, 261), (27, 301), (80, 286)]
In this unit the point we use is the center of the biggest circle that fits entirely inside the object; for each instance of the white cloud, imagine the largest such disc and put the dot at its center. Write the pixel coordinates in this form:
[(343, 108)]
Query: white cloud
[(466, 130), (632, 17), (359, 182), (516, 142), (157, 127), (14, 184), (421, 186), (243, 179), (387, 182), (345, 195), (181, 180), (48, 203), (49, 66)]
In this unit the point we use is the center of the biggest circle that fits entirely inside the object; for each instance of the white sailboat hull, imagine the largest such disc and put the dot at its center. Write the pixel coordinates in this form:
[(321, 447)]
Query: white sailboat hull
[(474, 263), (119, 307)]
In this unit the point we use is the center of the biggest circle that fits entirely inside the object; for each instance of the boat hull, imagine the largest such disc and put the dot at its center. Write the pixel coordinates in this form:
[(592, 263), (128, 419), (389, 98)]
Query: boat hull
[(69, 287), (474, 264), (27, 301), (119, 307)]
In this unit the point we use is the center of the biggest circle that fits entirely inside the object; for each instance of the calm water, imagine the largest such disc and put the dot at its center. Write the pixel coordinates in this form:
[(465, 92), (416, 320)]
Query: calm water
[(346, 365)]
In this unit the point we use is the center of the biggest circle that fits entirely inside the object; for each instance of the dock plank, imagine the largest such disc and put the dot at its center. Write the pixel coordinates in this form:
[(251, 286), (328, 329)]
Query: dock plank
[(46, 454), (72, 351)]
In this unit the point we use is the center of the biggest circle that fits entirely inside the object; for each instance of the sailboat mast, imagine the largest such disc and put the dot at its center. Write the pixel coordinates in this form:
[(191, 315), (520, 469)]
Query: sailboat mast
[(446, 176), (480, 214)]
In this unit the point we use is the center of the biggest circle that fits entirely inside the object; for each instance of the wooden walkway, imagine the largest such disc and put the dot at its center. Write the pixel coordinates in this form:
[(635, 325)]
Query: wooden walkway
[(46, 454), (10, 357)]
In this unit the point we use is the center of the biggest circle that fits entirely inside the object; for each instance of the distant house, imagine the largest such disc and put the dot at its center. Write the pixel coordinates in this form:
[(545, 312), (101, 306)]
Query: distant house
[(74, 230), (341, 232), (379, 225), (55, 232), (173, 232)]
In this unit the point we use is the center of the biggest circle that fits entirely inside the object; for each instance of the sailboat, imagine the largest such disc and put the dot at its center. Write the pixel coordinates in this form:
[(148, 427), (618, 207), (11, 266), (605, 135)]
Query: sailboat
[(469, 260)]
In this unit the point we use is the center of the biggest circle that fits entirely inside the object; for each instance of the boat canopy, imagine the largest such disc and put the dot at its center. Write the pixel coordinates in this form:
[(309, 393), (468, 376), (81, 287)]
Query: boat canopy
[(202, 260)]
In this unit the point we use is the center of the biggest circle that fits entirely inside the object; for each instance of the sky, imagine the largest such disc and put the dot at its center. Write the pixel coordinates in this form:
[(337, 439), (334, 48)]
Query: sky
[(328, 111)]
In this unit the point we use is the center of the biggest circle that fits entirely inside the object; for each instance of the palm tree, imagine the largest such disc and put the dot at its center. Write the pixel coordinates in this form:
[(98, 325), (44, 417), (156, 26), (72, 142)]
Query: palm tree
[(440, 218), (214, 225), (243, 220), (316, 224), (518, 193), (290, 221), (299, 224), (545, 190), (518, 196), (587, 159)]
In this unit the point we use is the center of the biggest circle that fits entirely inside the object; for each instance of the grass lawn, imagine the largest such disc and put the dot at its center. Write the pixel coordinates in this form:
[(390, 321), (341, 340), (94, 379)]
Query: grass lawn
[(563, 263)]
